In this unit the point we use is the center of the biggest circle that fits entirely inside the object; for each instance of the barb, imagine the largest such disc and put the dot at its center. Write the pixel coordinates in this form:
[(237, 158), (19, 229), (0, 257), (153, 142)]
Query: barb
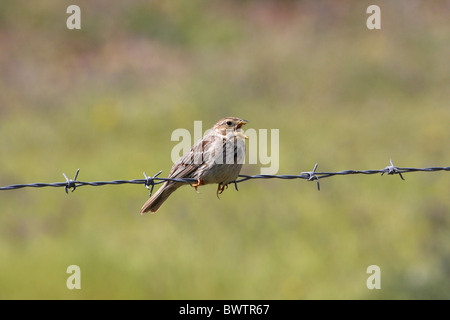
[(150, 182), (393, 170), (71, 183), (312, 176)]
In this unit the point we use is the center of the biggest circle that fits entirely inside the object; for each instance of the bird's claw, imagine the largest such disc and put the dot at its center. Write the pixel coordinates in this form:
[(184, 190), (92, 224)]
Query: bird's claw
[(221, 188), (196, 185)]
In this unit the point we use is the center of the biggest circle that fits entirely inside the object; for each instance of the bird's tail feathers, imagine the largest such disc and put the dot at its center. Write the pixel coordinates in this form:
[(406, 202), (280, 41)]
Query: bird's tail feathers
[(159, 197)]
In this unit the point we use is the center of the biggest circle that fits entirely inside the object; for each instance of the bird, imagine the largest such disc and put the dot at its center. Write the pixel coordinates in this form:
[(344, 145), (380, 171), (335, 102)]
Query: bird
[(215, 158)]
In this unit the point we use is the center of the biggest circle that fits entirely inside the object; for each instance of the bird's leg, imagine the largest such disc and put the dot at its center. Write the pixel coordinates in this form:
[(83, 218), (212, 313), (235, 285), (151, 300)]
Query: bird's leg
[(220, 188), (196, 185)]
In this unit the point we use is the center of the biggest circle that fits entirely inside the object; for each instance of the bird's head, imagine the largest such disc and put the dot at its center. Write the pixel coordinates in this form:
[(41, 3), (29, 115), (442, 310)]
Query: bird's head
[(231, 125)]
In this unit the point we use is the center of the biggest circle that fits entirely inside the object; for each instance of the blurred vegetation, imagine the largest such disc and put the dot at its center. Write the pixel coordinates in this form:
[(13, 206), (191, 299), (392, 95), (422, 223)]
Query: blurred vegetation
[(106, 99)]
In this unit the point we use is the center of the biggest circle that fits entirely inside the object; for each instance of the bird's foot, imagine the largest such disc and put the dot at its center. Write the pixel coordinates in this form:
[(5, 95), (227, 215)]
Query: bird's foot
[(220, 188), (196, 185)]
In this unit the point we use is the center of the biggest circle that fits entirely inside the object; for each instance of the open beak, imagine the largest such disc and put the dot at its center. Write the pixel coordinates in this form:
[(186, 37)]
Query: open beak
[(239, 133), (241, 123)]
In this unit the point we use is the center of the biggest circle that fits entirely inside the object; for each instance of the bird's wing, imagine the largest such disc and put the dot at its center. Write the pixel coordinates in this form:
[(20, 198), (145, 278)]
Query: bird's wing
[(193, 159)]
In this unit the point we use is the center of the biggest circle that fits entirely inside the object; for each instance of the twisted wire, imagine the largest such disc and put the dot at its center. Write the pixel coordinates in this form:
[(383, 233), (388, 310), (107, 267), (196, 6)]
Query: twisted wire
[(151, 181)]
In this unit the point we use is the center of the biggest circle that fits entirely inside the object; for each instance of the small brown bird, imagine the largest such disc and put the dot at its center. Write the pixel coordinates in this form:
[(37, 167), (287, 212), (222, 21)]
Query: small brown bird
[(216, 158)]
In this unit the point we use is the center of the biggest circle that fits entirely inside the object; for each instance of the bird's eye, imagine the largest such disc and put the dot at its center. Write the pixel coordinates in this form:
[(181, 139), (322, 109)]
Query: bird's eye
[(228, 123)]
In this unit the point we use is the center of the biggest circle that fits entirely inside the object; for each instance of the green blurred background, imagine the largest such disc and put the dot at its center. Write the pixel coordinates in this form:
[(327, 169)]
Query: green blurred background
[(106, 99)]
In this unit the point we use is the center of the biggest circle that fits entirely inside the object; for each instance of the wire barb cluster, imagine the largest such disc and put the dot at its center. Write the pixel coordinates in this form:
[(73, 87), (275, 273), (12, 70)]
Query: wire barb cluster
[(151, 181)]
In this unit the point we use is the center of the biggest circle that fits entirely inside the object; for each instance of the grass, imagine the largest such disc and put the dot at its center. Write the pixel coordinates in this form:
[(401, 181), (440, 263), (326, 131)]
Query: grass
[(106, 99)]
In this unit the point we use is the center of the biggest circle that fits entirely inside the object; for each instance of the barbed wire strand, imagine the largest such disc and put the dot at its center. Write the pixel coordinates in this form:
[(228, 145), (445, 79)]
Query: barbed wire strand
[(151, 181)]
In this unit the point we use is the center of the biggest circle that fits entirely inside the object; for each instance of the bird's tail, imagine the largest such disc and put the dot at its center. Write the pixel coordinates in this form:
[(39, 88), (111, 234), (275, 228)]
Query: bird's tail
[(159, 197)]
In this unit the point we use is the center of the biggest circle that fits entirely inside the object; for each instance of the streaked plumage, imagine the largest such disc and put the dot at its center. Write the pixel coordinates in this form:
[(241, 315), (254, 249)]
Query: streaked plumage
[(216, 158)]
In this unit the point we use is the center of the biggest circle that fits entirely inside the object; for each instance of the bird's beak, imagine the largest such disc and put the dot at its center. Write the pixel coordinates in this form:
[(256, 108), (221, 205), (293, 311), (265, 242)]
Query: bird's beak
[(239, 125), (241, 135)]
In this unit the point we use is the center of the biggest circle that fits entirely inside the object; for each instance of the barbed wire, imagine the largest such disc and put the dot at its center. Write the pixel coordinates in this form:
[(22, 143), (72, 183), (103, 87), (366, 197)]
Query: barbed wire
[(151, 181)]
